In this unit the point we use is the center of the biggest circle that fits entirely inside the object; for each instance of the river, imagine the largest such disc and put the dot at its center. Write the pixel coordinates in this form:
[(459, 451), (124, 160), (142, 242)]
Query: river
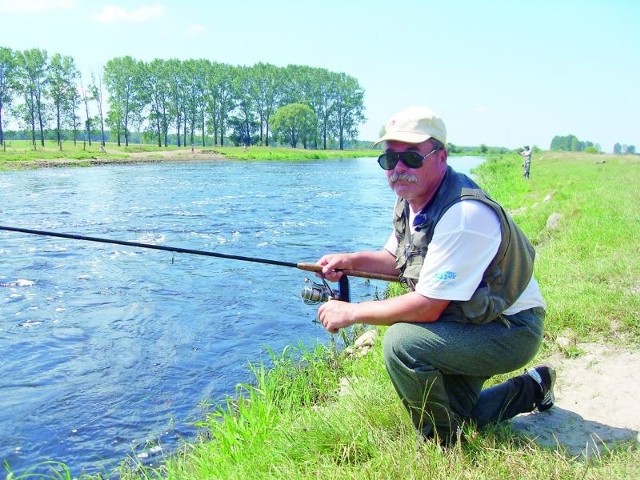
[(110, 351)]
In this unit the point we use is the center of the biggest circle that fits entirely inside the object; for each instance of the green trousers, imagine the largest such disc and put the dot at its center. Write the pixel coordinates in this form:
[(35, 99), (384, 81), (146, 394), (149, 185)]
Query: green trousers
[(439, 369)]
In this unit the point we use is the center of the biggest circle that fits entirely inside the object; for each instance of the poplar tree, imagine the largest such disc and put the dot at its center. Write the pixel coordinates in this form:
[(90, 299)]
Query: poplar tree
[(8, 67), (32, 76)]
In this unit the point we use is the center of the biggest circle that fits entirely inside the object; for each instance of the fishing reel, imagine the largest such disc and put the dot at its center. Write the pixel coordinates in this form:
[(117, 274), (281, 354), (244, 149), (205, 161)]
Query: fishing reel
[(314, 293)]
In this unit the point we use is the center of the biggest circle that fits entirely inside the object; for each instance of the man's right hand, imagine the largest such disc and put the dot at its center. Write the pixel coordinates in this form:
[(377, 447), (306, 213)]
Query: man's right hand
[(332, 264)]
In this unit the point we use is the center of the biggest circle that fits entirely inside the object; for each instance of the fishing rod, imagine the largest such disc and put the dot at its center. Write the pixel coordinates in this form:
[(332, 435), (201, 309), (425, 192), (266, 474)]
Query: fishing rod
[(312, 293)]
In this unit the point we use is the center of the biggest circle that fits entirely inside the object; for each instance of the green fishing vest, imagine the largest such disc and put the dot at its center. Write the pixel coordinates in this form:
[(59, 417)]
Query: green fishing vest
[(505, 278)]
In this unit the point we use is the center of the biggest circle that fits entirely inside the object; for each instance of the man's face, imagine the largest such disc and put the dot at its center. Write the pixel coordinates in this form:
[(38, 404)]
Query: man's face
[(417, 185)]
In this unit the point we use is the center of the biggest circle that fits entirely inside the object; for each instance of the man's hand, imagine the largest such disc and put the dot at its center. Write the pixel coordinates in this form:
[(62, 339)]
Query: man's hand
[(332, 264), (335, 314)]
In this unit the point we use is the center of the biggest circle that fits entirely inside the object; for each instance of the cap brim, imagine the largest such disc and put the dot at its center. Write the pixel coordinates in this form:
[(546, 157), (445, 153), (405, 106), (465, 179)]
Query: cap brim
[(405, 137)]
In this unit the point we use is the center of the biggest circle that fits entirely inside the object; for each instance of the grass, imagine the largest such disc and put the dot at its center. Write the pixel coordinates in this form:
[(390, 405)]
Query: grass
[(19, 154), (321, 414), (587, 266), (286, 153)]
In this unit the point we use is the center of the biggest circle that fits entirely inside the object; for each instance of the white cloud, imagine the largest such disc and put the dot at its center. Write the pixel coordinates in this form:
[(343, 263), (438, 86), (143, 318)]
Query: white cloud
[(481, 109), (35, 6), (116, 14), (195, 29)]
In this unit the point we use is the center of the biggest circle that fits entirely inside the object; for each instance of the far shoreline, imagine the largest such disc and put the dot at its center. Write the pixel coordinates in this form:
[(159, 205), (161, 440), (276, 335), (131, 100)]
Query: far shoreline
[(116, 159)]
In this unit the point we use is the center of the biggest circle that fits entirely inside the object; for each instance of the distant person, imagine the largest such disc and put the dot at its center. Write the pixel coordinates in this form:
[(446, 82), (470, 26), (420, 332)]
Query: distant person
[(473, 307), (526, 153)]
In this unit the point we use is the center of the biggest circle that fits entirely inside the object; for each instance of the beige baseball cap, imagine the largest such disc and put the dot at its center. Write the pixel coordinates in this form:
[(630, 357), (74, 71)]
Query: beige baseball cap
[(414, 125)]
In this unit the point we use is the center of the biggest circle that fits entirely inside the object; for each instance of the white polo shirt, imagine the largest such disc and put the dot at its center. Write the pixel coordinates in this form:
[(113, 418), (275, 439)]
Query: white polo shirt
[(465, 240)]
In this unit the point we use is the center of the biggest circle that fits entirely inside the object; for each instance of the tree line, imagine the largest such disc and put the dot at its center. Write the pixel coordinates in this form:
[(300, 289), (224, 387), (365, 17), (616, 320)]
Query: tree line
[(185, 101), (570, 143)]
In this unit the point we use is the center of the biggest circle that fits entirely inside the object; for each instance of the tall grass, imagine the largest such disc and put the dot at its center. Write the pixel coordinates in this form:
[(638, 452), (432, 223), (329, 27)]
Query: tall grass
[(587, 264), (321, 414)]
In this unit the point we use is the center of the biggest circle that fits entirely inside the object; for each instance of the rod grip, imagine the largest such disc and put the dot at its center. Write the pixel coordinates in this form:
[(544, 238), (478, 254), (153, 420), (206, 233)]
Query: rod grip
[(312, 267)]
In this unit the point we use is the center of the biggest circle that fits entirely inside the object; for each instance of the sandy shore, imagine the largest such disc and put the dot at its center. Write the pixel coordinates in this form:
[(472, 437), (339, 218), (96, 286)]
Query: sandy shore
[(596, 404), (135, 157)]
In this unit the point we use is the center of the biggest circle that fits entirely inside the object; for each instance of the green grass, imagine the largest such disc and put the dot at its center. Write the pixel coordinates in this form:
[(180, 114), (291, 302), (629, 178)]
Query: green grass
[(19, 154), (15, 152), (321, 414), (587, 267), (285, 153)]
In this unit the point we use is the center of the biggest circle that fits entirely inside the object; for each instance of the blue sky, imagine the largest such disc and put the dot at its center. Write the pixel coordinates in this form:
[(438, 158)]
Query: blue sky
[(505, 73)]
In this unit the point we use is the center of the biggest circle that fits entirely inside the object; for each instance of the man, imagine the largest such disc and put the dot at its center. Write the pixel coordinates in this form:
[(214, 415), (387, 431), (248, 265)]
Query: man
[(473, 309), (526, 153)]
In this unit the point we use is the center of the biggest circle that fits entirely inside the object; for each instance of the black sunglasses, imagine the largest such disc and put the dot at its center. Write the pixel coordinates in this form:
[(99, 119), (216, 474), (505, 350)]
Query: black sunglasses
[(389, 160)]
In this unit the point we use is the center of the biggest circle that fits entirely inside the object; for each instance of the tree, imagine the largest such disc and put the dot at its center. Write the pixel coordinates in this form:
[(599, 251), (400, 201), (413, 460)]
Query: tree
[(266, 86), (8, 67), (123, 79), (451, 148), (85, 97), (195, 99), (32, 74), (96, 94), (294, 123), (219, 98), (244, 123), (304, 86), (61, 80), (617, 149), (157, 91), (177, 94), (567, 143), (73, 112), (326, 103), (293, 90), (349, 108)]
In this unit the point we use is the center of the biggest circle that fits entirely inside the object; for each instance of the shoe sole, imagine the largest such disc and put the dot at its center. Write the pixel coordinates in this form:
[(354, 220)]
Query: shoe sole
[(549, 398)]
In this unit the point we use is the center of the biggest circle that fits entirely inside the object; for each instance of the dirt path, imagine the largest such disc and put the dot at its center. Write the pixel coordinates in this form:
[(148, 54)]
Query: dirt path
[(597, 402)]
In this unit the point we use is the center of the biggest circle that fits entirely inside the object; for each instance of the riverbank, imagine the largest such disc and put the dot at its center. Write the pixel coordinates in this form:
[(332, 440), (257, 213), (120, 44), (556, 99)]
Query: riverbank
[(135, 157), (20, 156)]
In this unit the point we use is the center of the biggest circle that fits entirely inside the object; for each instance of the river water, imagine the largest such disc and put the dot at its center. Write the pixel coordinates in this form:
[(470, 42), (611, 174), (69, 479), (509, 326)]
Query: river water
[(111, 351)]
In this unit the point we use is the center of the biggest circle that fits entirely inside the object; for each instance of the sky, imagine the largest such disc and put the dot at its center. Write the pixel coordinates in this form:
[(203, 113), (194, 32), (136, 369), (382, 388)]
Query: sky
[(501, 73)]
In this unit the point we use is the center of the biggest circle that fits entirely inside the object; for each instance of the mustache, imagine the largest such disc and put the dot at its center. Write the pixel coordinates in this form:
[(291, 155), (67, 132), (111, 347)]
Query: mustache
[(407, 177)]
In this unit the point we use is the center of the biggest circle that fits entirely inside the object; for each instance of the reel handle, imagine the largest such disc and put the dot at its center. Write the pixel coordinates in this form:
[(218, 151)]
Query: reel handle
[(344, 292)]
